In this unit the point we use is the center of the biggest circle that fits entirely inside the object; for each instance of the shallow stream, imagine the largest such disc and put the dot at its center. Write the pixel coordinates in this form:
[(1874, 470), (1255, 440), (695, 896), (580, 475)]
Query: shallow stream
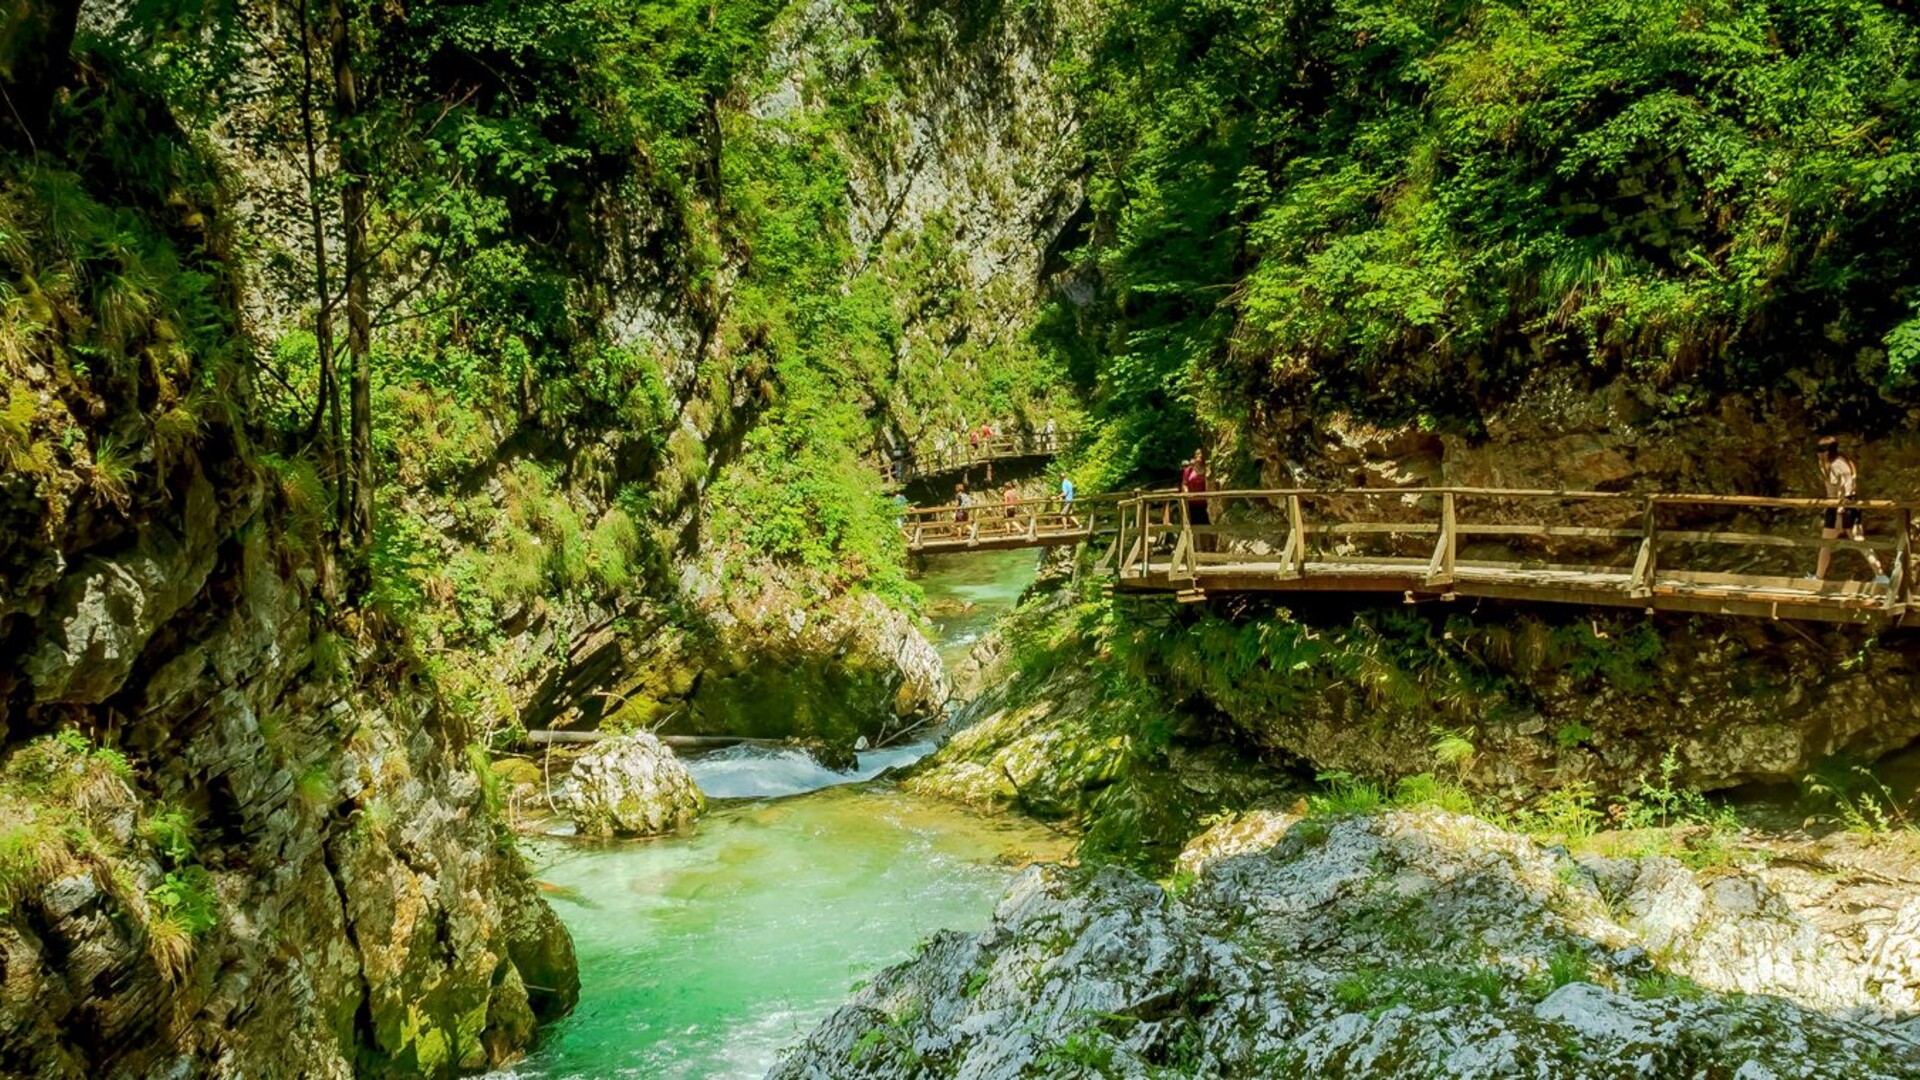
[(702, 955)]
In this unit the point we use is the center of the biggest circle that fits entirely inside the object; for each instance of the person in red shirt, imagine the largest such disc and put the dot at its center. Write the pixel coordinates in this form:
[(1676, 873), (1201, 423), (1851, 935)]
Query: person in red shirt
[(1193, 481)]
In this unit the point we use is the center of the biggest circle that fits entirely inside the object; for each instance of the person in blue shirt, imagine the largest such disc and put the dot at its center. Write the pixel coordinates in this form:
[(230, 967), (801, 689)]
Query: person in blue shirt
[(1066, 498)]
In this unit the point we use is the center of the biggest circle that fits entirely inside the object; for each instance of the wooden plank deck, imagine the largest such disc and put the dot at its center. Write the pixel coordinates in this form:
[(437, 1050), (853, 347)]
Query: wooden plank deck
[(952, 544), (1849, 602)]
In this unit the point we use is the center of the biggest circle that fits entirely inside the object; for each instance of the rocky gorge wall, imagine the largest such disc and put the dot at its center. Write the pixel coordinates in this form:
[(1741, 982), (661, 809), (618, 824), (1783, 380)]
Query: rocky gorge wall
[(244, 829), (259, 848), (958, 181)]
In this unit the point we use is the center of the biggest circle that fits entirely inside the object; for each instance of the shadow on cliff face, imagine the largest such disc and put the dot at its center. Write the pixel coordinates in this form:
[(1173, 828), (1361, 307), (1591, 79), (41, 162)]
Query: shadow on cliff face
[(1542, 699)]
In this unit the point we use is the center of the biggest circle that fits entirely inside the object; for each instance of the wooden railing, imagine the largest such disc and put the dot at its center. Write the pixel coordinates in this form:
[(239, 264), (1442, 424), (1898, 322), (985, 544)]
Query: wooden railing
[(1708, 553), (922, 462), (993, 524)]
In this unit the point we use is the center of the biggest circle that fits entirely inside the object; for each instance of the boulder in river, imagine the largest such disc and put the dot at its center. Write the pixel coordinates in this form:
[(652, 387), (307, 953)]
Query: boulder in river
[(1410, 943), (633, 785)]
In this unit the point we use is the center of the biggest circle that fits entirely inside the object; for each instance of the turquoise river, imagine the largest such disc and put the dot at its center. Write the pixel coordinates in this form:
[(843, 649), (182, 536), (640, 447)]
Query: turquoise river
[(702, 955)]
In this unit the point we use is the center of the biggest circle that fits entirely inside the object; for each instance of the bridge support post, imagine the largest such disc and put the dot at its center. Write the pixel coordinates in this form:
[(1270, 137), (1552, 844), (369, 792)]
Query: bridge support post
[(1899, 581), (1647, 562), (1293, 554), (1440, 567), (1184, 548)]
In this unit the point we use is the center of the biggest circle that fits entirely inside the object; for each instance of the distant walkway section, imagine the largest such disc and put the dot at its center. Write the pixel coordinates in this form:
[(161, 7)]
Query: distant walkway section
[(922, 462), (1711, 554), (991, 525)]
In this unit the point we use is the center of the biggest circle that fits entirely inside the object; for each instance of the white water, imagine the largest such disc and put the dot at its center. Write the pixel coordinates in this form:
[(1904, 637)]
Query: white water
[(761, 772)]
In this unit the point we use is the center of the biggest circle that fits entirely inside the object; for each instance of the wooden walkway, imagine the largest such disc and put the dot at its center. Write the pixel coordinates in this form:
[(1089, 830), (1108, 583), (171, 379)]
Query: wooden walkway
[(994, 525), (921, 464), (1712, 554)]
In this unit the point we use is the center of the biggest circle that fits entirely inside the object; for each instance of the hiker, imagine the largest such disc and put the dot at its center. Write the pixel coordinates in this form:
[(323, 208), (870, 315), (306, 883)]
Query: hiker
[(899, 510), (1047, 435), (1066, 499), (1841, 478), (960, 502), (1008, 497), (1193, 481)]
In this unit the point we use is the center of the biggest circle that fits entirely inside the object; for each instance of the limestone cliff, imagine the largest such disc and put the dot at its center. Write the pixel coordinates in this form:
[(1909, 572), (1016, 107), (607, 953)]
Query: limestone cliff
[(240, 834), (581, 564), (260, 847)]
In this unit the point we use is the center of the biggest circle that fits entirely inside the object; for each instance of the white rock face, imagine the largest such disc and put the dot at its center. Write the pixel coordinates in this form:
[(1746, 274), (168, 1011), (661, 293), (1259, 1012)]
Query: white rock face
[(1406, 944), (633, 786)]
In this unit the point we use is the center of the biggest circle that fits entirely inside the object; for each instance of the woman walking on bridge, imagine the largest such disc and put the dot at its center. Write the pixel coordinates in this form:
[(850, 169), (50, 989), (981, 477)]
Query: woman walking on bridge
[(1841, 479)]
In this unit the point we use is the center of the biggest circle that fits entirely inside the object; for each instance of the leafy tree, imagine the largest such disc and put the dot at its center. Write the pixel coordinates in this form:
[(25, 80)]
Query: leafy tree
[(1408, 208)]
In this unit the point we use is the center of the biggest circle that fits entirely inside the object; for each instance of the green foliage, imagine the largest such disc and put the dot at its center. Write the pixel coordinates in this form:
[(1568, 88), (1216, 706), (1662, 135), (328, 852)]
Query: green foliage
[(314, 787), (1374, 990), (1852, 794), (170, 831), (1453, 748), (1570, 736), (1346, 795), (1089, 1048), (1567, 965), (1568, 812), (31, 852), (1663, 803), (187, 895), (103, 299), (1408, 210), (493, 794), (1661, 984)]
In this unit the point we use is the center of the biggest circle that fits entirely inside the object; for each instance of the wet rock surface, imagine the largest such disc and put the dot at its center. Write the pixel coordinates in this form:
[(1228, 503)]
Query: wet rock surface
[(632, 785), (1412, 943)]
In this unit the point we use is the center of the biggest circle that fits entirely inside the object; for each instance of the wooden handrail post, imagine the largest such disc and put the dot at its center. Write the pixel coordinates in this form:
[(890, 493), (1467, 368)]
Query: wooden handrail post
[(1440, 567), (1646, 562), (1146, 536), (1186, 540), (1899, 580), (1294, 563)]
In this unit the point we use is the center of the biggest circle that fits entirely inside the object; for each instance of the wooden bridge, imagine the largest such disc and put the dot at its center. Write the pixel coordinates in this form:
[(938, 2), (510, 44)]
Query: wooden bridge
[(994, 525), (1715, 554), (968, 453)]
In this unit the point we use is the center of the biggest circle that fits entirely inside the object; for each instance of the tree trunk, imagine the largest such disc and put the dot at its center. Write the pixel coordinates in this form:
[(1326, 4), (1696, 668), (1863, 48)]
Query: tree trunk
[(323, 430), (36, 47), (358, 509)]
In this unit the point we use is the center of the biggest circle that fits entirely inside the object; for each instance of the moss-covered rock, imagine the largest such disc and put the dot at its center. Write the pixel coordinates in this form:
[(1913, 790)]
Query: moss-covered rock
[(632, 785)]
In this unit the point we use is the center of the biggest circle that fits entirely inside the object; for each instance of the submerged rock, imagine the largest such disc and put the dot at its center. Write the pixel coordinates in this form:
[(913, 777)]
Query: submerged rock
[(632, 785), (1407, 944)]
